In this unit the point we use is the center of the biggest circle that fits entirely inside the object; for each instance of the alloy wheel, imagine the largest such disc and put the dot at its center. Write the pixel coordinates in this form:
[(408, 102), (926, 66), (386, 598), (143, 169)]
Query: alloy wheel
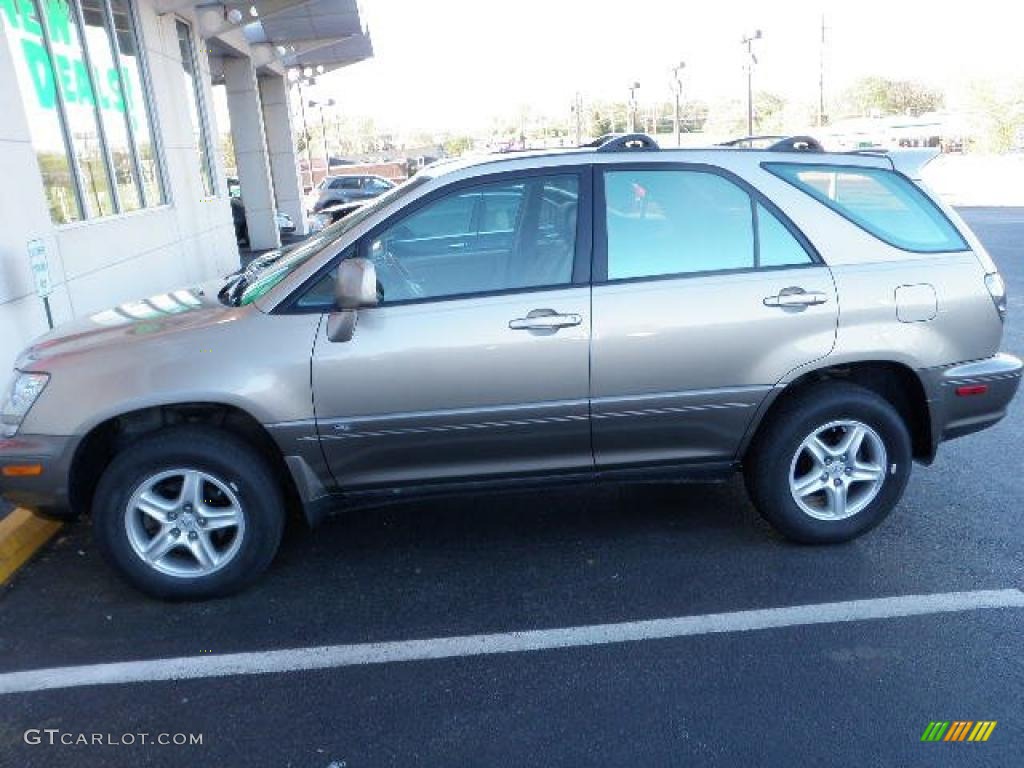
[(185, 523), (838, 470)]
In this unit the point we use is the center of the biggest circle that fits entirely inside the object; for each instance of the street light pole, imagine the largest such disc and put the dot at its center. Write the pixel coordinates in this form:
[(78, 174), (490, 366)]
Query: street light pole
[(323, 131), (748, 41), (676, 71), (577, 110), (821, 75), (633, 88)]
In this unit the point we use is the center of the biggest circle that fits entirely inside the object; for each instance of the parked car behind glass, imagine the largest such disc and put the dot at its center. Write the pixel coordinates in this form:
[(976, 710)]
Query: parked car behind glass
[(284, 222), (347, 189)]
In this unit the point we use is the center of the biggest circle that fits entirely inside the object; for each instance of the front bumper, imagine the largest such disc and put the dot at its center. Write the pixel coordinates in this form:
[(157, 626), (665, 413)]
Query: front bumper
[(971, 396), (46, 493)]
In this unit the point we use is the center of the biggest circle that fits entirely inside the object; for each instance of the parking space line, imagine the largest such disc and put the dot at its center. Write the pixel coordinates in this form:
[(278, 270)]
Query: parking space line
[(333, 656)]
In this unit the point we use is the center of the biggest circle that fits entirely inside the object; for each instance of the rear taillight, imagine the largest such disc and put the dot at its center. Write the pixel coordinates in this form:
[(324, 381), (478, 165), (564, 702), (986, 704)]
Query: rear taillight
[(969, 390), (997, 290)]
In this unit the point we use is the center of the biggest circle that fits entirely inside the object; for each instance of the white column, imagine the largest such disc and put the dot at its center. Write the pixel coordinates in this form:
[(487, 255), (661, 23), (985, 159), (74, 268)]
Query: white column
[(284, 170), (251, 155)]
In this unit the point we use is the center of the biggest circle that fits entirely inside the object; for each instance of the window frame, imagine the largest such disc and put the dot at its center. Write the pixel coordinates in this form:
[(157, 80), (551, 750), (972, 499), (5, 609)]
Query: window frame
[(202, 110), (62, 116), (148, 105), (582, 259), (755, 196), (76, 20), (831, 205)]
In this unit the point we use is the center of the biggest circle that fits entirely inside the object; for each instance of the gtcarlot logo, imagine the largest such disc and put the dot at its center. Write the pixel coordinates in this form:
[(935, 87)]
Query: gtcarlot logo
[(958, 730), (57, 737)]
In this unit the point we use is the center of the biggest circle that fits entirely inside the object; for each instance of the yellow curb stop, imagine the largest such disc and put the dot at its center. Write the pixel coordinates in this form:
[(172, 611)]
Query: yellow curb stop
[(22, 533)]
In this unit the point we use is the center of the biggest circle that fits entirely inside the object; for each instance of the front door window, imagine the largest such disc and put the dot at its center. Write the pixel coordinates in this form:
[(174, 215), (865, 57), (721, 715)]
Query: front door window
[(481, 240)]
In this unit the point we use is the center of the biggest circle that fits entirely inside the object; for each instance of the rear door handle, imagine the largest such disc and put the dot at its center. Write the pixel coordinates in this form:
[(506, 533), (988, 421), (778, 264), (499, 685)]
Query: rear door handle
[(795, 297), (544, 320)]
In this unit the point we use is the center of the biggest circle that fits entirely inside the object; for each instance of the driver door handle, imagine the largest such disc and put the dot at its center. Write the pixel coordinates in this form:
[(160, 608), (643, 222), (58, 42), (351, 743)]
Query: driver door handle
[(796, 297), (544, 320)]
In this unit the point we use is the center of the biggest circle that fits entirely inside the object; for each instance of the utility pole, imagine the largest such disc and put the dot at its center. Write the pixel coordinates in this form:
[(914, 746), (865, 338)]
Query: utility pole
[(631, 126), (821, 76), (678, 88), (748, 41), (577, 109)]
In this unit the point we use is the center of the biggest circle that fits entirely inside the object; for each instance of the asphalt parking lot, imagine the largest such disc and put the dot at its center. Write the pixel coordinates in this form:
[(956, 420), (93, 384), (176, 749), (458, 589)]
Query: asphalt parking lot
[(843, 693)]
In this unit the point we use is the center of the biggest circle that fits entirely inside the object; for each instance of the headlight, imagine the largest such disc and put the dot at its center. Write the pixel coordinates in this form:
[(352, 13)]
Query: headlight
[(21, 394)]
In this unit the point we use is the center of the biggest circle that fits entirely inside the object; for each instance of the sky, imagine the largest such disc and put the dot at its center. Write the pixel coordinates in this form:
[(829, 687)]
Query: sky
[(455, 64)]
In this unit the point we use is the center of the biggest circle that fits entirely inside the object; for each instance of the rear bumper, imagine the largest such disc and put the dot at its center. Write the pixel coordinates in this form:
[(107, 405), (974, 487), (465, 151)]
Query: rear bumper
[(971, 396), (46, 492)]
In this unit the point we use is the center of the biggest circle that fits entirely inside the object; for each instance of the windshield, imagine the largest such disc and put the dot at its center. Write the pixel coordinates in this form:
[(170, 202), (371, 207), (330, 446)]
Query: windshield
[(267, 271)]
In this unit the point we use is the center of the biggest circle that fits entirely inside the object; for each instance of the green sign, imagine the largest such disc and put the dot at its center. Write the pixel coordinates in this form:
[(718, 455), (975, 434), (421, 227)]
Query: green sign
[(25, 31)]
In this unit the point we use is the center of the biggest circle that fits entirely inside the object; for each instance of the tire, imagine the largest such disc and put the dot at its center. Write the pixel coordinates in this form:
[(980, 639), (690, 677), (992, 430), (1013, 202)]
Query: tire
[(235, 524), (784, 464)]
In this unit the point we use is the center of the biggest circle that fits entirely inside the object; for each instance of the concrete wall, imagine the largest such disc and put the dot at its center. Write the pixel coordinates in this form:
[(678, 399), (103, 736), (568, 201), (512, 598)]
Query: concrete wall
[(101, 262)]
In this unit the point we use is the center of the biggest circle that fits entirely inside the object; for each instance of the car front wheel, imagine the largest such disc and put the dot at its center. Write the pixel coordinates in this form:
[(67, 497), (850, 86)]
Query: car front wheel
[(188, 513), (830, 464)]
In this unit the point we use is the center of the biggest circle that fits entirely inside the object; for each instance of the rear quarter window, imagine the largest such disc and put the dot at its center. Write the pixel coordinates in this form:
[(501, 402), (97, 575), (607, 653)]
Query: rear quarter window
[(882, 202)]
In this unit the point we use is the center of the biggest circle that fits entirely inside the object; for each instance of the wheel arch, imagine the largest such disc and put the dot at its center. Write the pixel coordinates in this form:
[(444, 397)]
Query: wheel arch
[(895, 382), (104, 440)]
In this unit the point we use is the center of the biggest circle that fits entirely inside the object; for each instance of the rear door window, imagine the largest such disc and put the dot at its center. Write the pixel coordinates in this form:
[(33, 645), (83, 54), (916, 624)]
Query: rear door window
[(681, 221), (882, 202), (675, 222)]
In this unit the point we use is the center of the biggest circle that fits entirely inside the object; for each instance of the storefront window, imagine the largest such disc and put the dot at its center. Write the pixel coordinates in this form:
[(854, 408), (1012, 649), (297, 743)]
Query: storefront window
[(34, 71), (109, 98), (194, 98), (86, 104), (79, 99), (134, 90)]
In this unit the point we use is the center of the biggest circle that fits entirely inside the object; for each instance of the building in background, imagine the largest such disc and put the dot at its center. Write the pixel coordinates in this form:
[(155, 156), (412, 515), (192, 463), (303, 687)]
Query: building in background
[(946, 131), (111, 174)]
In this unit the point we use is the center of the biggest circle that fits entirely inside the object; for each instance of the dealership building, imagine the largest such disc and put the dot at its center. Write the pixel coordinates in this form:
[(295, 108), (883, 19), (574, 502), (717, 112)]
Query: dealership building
[(113, 185)]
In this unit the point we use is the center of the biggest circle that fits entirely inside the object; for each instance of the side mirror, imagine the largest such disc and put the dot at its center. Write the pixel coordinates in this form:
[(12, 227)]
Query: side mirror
[(357, 284), (356, 288)]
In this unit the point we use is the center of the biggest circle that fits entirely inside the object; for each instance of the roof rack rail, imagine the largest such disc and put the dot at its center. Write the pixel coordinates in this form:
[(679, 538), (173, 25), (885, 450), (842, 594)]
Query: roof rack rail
[(617, 142), (751, 142), (797, 144), (868, 152), (776, 143)]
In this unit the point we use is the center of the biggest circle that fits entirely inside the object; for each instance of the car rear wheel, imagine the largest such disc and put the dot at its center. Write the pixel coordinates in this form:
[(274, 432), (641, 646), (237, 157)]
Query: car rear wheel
[(188, 513), (830, 464)]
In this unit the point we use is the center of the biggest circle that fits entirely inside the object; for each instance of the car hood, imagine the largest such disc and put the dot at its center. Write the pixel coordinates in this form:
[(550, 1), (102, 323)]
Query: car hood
[(143, 321)]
